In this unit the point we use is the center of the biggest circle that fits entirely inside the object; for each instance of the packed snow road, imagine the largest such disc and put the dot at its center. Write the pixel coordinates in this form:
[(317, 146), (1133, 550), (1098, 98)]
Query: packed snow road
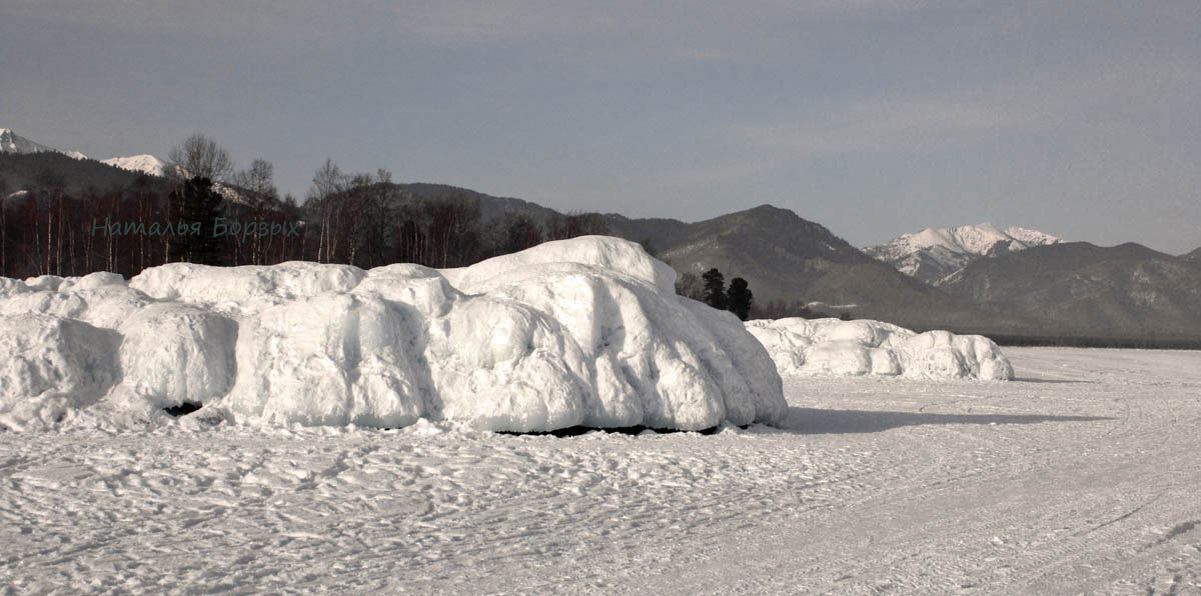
[(1081, 476)]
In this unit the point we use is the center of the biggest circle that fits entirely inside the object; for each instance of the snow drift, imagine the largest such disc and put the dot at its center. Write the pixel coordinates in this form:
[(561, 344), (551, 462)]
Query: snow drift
[(833, 347), (586, 332)]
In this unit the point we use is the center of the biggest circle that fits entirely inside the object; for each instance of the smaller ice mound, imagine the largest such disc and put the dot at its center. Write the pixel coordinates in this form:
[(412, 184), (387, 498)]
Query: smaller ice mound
[(50, 366), (942, 354), (832, 347)]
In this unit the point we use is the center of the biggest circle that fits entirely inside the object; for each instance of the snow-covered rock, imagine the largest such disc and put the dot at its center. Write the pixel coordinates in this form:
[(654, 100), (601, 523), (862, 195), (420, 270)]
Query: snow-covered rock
[(11, 142), (934, 253), (833, 347), (586, 331), (147, 164)]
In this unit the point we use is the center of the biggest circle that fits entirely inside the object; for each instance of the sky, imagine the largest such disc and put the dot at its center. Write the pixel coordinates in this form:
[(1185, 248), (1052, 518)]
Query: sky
[(871, 117)]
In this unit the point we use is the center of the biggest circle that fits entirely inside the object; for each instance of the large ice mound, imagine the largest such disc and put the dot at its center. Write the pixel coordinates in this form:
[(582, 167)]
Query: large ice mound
[(833, 347), (587, 331)]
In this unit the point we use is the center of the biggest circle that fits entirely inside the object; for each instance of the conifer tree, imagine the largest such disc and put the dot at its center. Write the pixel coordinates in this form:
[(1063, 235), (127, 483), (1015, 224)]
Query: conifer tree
[(715, 289), (739, 298), (196, 202)]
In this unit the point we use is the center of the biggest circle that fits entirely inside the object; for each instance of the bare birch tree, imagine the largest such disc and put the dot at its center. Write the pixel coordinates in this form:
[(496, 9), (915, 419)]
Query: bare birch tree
[(199, 156)]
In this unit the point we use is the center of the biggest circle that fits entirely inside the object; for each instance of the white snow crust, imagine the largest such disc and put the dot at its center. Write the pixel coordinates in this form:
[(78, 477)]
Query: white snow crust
[(586, 332), (833, 347), (1079, 477)]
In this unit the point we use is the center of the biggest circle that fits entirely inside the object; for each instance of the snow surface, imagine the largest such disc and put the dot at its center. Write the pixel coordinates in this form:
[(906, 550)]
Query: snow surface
[(11, 142), (147, 164), (1079, 477), (585, 332), (833, 347)]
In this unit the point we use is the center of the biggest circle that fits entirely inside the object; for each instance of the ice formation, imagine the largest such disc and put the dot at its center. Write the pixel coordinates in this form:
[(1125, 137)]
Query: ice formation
[(833, 347), (586, 332)]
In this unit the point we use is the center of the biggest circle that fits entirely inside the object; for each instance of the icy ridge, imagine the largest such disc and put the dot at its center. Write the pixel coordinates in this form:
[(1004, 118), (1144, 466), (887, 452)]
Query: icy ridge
[(585, 331)]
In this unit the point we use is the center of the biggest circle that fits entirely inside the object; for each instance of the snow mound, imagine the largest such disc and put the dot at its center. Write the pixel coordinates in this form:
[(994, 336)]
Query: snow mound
[(174, 354), (833, 347), (586, 331), (50, 366)]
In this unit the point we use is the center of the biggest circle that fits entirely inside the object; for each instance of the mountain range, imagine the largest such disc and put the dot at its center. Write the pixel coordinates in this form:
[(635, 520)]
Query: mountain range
[(934, 253), (12, 143), (786, 258), (980, 278), (1081, 289)]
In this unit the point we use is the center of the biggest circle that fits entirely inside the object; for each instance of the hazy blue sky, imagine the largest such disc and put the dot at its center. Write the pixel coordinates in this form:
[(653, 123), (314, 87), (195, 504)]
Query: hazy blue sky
[(1082, 119)]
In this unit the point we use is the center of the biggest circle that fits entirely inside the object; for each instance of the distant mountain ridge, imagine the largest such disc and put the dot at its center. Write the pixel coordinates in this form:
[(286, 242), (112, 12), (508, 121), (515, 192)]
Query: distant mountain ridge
[(935, 253), (491, 207), (1079, 288), (978, 279), (29, 171), (784, 257), (11, 142)]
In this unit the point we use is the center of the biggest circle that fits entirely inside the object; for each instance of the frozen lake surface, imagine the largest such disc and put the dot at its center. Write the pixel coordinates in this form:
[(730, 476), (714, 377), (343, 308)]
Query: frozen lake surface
[(1082, 476)]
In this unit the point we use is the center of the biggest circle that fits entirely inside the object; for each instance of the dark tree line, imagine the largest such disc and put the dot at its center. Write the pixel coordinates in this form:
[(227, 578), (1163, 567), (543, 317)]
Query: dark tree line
[(47, 231), (366, 221), (239, 219)]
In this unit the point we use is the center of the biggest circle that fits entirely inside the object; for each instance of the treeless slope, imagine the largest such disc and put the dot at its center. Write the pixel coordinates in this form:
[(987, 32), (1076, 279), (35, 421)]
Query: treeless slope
[(1126, 290)]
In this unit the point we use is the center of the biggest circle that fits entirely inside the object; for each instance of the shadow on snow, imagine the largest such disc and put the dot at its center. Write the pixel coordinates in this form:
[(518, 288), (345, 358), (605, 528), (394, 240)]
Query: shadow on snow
[(1055, 381), (814, 421)]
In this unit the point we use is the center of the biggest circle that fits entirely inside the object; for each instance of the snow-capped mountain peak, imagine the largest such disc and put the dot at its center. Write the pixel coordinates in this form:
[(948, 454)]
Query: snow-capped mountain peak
[(980, 239), (1031, 237), (11, 142), (933, 253), (145, 163)]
